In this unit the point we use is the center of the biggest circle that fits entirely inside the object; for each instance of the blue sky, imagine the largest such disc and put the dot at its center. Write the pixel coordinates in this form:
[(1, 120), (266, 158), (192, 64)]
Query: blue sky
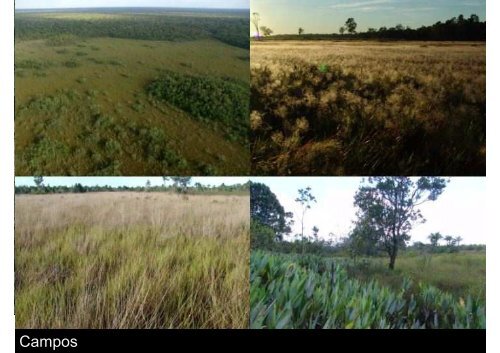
[(326, 16), (459, 211), (35, 4), (125, 181)]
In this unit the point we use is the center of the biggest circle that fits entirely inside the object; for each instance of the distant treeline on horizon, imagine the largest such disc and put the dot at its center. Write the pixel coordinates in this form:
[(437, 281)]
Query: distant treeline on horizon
[(79, 188), (134, 9), (455, 29)]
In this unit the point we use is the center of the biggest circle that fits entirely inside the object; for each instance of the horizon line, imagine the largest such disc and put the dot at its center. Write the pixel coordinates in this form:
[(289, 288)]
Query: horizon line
[(131, 7)]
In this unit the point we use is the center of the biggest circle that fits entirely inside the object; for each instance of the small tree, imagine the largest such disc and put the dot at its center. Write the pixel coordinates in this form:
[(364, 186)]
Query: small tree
[(351, 25), (450, 241), (38, 181), (434, 238), (266, 31), (342, 30), (148, 185), (458, 240), (315, 234), (389, 206), (305, 199), (181, 184), (301, 31)]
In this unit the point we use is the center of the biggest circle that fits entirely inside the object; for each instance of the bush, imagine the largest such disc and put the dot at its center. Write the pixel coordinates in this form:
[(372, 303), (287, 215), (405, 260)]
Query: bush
[(209, 99)]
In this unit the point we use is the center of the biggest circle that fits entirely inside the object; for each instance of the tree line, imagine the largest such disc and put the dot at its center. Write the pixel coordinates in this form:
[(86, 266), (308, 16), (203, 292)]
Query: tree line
[(170, 27), (181, 185), (387, 210), (457, 28)]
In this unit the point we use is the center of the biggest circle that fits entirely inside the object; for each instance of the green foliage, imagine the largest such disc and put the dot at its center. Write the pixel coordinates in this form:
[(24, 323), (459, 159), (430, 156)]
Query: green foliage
[(230, 27), (388, 208), (307, 120), (61, 39), (261, 236), (222, 102), (313, 292), (266, 211)]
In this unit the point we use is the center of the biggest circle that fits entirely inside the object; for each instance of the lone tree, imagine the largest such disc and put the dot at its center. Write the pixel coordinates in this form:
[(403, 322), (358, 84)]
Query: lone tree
[(351, 25), (458, 240), (266, 31), (389, 207), (181, 184), (342, 30), (255, 21), (434, 238), (305, 199), (38, 181), (266, 210), (301, 31)]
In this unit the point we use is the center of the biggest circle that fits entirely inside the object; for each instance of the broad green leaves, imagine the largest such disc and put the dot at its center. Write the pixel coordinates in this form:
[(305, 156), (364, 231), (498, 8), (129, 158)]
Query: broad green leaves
[(289, 291)]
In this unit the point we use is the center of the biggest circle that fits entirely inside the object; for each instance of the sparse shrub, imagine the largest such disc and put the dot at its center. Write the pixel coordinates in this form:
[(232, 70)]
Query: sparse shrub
[(71, 64)]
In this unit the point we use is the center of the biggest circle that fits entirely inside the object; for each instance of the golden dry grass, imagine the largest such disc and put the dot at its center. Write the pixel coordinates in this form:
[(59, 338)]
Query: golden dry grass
[(368, 108), (131, 260)]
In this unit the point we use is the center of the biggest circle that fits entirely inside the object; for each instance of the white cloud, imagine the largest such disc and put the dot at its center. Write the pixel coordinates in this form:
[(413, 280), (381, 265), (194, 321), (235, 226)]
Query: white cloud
[(359, 4)]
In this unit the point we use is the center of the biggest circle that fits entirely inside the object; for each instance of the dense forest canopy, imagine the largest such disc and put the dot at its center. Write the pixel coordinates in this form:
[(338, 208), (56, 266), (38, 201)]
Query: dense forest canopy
[(457, 28), (228, 26)]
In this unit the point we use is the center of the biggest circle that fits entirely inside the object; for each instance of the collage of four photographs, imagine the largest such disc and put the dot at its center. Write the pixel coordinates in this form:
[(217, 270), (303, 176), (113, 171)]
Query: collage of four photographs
[(250, 164)]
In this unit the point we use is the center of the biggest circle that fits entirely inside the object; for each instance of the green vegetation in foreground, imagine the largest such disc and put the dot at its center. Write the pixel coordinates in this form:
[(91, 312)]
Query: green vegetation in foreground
[(129, 279), (306, 291), (212, 100)]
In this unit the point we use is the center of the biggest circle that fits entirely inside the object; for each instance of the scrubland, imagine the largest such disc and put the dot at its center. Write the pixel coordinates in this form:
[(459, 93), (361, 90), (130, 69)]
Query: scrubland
[(83, 104), (131, 260), (368, 108)]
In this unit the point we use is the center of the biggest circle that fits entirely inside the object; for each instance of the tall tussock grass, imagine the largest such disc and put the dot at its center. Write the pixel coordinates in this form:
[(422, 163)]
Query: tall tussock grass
[(368, 109), (131, 260)]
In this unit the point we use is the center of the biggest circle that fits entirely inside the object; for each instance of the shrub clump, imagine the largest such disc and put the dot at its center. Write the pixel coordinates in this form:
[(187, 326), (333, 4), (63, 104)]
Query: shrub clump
[(210, 99)]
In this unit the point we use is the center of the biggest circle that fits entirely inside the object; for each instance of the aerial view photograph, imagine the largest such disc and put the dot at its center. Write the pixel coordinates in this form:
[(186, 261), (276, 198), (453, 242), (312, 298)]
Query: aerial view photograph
[(159, 89), (368, 253), (370, 87), (123, 253)]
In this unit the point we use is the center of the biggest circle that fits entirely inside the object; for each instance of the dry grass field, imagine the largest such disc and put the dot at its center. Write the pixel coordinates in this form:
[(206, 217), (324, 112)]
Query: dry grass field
[(368, 108), (131, 260)]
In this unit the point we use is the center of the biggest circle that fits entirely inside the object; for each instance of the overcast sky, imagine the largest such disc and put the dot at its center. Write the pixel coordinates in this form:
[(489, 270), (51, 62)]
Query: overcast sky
[(326, 16), (50, 4), (125, 181), (459, 211)]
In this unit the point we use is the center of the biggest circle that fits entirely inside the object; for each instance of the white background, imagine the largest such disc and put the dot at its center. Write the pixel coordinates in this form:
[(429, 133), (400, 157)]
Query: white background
[(7, 177)]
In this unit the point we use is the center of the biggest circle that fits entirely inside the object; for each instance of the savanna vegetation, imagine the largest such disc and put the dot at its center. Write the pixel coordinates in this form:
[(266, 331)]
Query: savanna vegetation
[(371, 278), (128, 259), (91, 88), (359, 107)]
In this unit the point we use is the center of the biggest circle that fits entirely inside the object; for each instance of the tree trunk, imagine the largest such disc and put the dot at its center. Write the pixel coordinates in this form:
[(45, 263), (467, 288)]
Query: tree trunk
[(392, 262)]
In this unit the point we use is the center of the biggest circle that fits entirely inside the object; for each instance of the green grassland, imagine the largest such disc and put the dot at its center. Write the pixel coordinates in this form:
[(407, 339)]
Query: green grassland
[(82, 101), (461, 273), (309, 291), (131, 260)]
